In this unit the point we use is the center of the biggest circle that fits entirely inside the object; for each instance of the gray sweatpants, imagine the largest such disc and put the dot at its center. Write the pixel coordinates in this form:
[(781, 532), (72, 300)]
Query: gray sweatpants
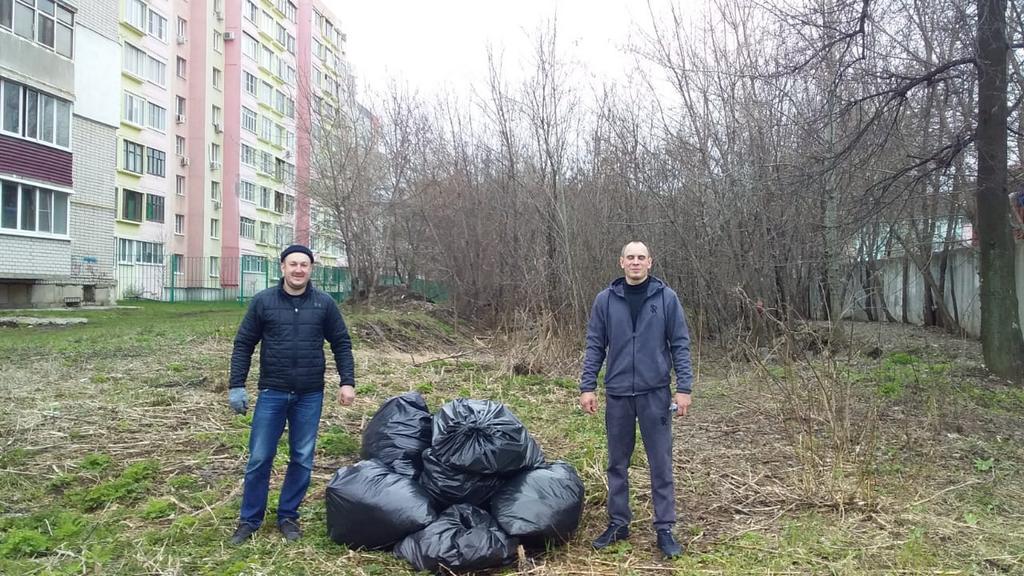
[(622, 413)]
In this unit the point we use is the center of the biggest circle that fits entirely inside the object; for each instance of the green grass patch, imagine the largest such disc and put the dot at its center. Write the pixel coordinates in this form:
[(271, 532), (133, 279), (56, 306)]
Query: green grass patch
[(336, 443), (129, 486)]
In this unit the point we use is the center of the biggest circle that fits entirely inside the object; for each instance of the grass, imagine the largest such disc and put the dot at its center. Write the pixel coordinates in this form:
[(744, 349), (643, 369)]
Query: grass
[(118, 455)]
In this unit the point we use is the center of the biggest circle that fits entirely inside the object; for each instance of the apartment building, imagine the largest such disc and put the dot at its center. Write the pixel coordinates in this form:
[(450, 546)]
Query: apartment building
[(58, 83), (211, 161)]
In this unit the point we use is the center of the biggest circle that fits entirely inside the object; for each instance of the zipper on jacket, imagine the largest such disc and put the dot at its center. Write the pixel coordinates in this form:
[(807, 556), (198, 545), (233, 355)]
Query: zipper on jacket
[(295, 352)]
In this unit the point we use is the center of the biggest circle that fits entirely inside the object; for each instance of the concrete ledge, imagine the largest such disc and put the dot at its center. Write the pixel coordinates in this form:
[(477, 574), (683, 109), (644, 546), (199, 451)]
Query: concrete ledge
[(28, 321)]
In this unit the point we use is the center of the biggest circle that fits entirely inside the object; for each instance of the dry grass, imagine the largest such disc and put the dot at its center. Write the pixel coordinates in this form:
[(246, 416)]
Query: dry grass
[(140, 395)]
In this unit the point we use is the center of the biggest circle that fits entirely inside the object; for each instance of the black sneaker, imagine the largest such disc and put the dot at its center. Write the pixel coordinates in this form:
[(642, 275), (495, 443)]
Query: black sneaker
[(290, 528), (613, 534), (668, 545), (242, 533)]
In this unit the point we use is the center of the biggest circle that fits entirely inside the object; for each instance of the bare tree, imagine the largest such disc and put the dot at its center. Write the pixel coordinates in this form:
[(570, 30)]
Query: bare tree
[(1000, 325)]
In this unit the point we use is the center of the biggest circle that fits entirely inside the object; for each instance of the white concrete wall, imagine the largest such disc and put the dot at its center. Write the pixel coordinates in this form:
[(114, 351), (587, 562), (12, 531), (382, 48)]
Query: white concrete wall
[(961, 278)]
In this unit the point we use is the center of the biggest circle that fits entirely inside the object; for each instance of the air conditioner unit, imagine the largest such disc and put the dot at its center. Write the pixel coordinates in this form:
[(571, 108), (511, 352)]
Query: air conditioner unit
[(217, 127), (179, 118), (229, 35), (216, 204), (214, 165), (183, 160), (182, 39)]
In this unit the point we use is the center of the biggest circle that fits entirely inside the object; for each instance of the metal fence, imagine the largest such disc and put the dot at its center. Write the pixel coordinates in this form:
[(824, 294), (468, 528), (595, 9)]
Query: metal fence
[(180, 279)]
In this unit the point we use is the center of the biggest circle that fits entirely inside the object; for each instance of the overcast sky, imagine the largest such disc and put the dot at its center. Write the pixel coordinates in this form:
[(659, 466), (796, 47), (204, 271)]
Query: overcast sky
[(439, 45)]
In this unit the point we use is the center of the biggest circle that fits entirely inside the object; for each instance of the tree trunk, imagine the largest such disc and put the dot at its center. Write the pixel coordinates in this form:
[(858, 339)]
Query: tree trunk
[(1000, 325)]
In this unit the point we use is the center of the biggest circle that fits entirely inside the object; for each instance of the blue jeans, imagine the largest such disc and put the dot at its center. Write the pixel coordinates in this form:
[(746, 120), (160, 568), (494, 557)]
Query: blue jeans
[(273, 408)]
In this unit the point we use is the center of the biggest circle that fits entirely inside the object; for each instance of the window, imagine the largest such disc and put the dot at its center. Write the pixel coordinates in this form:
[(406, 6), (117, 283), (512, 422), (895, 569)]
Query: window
[(247, 191), (179, 185), (133, 156), (135, 13), (157, 117), (44, 21), (281, 35), (214, 228), (133, 109), (217, 78), (139, 252), (157, 25), (33, 209), (182, 28), (179, 145), (289, 205), (176, 263), (10, 101), (251, 84), (247, 229), (248, 155), (179, 106), (180, 67), (35, 115), (218, 42), (134, 61), (154, 208), (131, 205), (285, 235), (214, 152), (251, 11), (266, 129), (255, 264), (215, 266), (215, 191), (279, 202), (250, 47), (156, 71), (156, 162), (248, 120), (290, 44), (266, 233), (266, 93), (266, 56), (265, 197), (215, 114), (280, 102), (179, 224)]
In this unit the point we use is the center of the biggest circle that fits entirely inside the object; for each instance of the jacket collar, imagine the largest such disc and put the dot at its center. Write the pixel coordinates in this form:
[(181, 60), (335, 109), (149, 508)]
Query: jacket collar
[(653, 287)]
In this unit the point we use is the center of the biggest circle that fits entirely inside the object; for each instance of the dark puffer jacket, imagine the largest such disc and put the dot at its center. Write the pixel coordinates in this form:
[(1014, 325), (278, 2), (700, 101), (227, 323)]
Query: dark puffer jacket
[(292, 330)]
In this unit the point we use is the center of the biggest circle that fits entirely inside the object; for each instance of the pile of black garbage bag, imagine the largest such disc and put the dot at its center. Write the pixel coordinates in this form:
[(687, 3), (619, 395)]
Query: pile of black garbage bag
[(460, 489)]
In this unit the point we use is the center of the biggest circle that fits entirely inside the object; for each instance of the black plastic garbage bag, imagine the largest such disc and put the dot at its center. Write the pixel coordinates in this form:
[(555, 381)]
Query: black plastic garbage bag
[(400, 430), (484, 437), (463, 537), (541, 505), (451, 486), (369, 506)]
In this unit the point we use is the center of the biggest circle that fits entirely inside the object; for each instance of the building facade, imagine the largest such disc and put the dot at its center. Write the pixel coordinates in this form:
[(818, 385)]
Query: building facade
[(210, 158), (57, 133)]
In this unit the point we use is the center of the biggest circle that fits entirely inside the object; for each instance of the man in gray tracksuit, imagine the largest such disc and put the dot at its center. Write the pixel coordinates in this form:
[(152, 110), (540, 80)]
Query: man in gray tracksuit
[(638, 324)]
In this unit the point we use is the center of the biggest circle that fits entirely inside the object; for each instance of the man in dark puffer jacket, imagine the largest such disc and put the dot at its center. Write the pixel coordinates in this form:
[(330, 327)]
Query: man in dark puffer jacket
[(292, 320)]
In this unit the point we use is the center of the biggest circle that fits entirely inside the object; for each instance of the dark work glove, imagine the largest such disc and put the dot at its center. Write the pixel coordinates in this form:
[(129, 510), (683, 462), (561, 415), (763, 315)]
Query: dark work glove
[(238, 398)]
